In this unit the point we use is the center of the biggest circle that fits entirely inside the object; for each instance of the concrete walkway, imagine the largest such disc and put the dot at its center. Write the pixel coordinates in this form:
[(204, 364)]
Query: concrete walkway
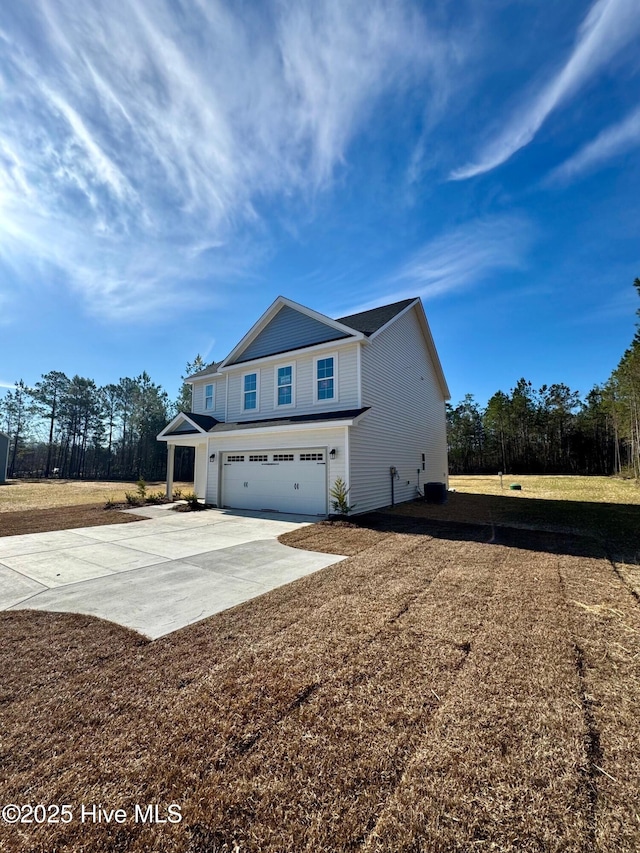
[(154, 576)]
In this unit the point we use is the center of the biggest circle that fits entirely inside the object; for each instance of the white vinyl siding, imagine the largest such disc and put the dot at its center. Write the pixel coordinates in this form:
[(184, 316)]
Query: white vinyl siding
[(407, 419), (346, 379), (200, 471), (199, 398)]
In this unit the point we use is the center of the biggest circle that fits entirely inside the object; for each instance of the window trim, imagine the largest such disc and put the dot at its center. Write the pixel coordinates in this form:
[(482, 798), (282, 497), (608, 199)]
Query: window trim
[(255, 373), (276, 368), (212, 407), (322, 357)]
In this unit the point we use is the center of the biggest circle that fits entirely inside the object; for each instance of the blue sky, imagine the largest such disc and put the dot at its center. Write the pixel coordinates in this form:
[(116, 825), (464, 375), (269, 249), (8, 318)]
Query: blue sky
[(168, 168)]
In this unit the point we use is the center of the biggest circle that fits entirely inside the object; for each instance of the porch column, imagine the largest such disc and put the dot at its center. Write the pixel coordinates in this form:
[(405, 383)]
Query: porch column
[(171, 455)]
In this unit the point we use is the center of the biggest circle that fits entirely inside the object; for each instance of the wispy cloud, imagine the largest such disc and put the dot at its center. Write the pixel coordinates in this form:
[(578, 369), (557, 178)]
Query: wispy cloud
[(612, 142), (134, 136), (616, 305), (459, 259), (465, 256), (608, 27)]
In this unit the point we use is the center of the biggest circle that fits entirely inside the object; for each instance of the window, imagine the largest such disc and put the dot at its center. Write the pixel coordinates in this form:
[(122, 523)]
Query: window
[(209, 398), (258, 457), (325, 379), (312, 457), (250, 391), (284, 386), (283, 457), (235, 458)]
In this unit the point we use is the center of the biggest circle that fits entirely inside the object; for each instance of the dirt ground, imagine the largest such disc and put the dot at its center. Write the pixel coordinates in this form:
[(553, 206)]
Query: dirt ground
[(39, 506), (61, 518), (448, 687)]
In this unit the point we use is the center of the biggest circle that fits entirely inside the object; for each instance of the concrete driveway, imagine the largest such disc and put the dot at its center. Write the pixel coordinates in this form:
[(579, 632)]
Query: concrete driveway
[(154, 576)]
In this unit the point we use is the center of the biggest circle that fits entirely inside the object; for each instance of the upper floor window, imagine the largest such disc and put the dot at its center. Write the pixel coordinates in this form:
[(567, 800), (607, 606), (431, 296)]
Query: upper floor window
[(325, 376), (250, 391), (284, 388), (209, 397)]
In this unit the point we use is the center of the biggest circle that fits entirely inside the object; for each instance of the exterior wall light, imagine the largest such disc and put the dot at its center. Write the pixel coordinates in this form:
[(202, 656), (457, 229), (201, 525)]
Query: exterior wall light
[(332, 453), (212, 458)]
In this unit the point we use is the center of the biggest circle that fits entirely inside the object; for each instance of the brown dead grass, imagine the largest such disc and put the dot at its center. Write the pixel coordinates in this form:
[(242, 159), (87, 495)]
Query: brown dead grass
[(604, 619), (323, 536), (614, 526), (28, 506), (19, 495), (476, 689)]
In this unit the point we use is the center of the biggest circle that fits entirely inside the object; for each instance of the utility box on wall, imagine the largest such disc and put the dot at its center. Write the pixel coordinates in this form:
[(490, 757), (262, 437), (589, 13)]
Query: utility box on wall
[(4, 456)]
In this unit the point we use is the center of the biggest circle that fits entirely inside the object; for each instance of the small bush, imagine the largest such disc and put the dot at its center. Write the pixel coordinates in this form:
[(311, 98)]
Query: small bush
[(192, 503), (133, 499), (177, 494), (110, 504), (339, 492), (141, 487), (156, 498)]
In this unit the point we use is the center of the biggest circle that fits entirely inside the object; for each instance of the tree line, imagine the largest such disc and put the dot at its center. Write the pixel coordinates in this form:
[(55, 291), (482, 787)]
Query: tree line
[(551, 429), (73, 428)]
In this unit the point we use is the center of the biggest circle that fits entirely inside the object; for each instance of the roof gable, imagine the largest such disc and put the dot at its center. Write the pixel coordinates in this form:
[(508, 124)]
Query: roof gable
[(287, 326), (188, 423)]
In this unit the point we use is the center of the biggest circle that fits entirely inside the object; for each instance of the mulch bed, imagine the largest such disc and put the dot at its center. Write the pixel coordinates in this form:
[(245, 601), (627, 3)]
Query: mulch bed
[(61, 518), (472, 689)]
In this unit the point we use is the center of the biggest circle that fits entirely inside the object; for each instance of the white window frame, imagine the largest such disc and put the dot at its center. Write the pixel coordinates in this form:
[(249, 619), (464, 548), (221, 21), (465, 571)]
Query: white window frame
[(255, 373), (322, 357), (212, 407), (278, 367)]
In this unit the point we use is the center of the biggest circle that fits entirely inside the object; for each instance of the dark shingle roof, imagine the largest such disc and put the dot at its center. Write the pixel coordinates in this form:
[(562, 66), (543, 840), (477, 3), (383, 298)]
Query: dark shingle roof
[(369, 322), (211, 368), (342, 415), (366, 322), (205, 422)]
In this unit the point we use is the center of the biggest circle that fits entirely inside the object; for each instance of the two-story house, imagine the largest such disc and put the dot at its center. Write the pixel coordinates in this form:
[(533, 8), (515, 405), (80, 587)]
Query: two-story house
[(303, 400)]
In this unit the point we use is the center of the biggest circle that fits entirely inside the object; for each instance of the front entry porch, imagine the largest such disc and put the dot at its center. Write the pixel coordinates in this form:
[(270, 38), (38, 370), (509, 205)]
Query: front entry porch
[(199, 468)]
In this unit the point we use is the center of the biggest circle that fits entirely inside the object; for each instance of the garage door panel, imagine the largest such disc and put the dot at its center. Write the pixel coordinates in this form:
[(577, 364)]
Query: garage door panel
[(284, 481)]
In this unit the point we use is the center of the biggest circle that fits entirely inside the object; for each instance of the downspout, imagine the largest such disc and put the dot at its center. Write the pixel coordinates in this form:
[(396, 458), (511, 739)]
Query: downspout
[(393, 472), (347, 459)]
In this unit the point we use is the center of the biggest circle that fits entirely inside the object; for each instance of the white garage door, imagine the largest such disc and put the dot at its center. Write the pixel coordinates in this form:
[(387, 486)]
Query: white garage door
[(280, 480)]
